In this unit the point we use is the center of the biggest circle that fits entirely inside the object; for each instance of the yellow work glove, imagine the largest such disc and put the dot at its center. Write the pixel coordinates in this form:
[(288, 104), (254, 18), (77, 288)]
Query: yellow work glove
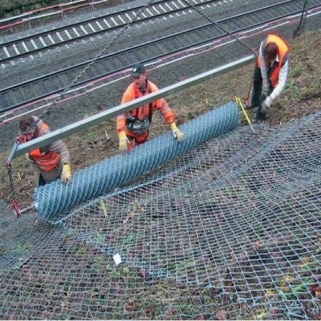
[(176, 132), (66, 174), (123, 141), (28, 158)]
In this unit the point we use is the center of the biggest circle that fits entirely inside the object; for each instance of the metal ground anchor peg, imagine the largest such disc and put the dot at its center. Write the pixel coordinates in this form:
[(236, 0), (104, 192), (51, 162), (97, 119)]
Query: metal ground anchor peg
[(27, 209)]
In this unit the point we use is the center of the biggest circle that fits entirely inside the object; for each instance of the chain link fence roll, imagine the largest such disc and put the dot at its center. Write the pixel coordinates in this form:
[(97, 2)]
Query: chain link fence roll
[(113, 172)]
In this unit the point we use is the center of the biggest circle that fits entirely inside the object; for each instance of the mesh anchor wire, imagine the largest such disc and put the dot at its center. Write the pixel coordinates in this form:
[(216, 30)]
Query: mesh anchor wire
[(15, 202)]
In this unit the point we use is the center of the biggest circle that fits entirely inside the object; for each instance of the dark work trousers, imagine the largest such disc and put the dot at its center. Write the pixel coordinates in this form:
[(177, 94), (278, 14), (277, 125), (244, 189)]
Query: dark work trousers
[(42, 181), (257, 97)]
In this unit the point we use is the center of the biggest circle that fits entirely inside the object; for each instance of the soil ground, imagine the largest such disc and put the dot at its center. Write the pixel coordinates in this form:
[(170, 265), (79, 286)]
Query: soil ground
[(300, 98)]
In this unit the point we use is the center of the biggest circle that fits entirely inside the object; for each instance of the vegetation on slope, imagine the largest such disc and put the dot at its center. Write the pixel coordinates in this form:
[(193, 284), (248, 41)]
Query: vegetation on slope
[(300, 98)]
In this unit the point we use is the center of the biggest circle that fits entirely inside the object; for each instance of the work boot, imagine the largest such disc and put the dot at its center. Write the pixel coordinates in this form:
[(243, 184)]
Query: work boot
[(259, 116), (249, 107)]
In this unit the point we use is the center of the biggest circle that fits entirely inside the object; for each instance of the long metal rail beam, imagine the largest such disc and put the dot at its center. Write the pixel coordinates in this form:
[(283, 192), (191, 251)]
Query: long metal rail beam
[(115, 111)]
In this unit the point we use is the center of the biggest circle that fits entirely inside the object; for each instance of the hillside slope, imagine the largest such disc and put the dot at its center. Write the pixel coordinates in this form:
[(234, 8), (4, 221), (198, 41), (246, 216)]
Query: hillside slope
[(300, 98)]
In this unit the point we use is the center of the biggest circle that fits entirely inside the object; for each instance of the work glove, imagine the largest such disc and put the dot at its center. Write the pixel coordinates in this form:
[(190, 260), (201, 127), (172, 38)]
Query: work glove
[(265, 90), (176, 132), (66, 174), (266, 104), (123, 141), (28, 158)]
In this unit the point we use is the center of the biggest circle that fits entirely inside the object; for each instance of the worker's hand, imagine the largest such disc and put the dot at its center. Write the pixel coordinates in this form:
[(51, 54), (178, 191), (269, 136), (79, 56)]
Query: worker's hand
[(28, 158), (123, 141), (176, 132), (265, 90), (66, 174), (266, 104)]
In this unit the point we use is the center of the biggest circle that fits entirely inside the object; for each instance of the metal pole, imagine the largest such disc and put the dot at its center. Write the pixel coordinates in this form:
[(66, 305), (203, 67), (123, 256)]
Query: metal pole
[(297, 32), (115, 111)]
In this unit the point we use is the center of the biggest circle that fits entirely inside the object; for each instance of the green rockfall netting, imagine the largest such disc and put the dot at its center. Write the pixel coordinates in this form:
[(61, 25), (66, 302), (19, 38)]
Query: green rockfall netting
[(230, 230)]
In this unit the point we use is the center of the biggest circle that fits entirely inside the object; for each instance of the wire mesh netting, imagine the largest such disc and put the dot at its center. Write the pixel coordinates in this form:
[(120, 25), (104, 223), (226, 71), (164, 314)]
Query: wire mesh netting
[(102, 177), (229, 230)]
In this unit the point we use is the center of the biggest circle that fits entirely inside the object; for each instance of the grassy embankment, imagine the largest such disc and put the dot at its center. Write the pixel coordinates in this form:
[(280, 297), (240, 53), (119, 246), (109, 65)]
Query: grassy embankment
[(301, 97)]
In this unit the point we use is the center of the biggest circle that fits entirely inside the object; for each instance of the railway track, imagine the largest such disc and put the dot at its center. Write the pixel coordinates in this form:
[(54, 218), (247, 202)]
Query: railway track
[(40, 88), (33, 44)]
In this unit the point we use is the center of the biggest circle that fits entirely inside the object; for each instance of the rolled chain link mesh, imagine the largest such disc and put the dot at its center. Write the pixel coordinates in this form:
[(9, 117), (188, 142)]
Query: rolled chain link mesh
[(102, 177), (229, 230)]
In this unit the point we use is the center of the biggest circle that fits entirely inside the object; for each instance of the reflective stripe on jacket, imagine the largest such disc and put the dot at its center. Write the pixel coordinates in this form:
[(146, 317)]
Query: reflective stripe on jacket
[(283, 50), (46, 160), (146, 111), (142, 112)]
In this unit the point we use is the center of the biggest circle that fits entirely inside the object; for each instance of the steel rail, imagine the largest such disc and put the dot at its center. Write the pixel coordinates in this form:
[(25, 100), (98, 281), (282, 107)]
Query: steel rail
[(43, 87), (58, 8), (32, 44)]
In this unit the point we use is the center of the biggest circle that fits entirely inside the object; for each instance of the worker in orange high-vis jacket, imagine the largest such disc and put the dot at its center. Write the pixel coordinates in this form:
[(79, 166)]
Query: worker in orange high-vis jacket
[(52, 161), (270, 74), (133, 126)]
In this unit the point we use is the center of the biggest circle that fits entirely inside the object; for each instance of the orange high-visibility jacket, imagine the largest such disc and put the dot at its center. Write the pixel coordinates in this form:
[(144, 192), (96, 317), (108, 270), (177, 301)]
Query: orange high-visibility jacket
[(283, 51), (143, 112), (48, 160)]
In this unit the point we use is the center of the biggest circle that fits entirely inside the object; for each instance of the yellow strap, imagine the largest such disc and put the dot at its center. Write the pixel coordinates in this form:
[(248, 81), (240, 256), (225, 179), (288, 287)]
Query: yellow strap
[(240, 103), (173, 126)]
